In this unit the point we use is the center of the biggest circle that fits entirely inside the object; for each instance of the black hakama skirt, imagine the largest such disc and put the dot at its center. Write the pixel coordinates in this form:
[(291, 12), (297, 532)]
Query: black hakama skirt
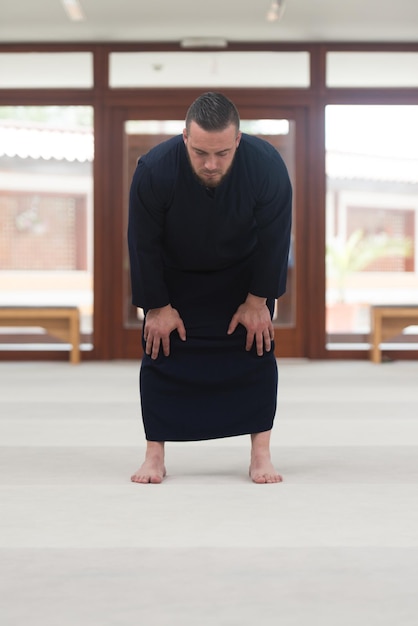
[(209, 386)]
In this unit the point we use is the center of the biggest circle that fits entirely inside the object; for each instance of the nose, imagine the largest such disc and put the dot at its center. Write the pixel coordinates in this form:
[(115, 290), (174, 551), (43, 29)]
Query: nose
[(211, 163)]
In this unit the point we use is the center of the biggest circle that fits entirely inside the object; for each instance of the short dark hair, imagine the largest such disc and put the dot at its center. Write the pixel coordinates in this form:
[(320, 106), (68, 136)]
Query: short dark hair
[(212, 111)]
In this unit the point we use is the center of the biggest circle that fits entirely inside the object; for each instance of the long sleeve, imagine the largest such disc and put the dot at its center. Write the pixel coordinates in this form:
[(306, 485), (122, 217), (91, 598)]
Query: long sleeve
[(145, 232), (273, 215)]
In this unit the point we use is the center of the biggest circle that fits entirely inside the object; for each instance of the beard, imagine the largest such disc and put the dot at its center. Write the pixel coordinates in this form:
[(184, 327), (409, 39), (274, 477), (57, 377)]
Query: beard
[(212, 179)]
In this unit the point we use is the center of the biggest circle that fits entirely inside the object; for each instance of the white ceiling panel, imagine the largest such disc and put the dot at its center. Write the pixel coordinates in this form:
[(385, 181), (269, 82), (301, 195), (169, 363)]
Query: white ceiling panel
[(234, 20)]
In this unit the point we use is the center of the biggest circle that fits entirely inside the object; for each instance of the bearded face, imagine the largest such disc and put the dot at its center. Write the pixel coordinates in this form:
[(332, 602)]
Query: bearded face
[(211, 153)]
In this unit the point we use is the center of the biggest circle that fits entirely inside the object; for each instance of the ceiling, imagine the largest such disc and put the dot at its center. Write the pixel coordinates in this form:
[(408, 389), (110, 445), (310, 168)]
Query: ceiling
[(233, 20)]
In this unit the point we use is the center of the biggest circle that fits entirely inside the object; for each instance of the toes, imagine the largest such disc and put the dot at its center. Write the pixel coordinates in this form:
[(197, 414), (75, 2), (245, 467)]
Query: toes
[(144, 479), (140, 479), (261, 479)]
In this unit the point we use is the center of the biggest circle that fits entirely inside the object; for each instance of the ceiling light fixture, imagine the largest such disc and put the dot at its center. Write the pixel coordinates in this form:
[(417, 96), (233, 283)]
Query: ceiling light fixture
[(204, 42), (73, 10), (276, 10)]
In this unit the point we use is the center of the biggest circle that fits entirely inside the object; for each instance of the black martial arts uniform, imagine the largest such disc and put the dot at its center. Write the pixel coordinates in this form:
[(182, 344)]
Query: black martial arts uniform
[(202, 251)]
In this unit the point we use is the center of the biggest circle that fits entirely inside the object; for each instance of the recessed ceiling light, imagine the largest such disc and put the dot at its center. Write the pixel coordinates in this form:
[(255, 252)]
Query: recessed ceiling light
[(276, 10), (73, 10)]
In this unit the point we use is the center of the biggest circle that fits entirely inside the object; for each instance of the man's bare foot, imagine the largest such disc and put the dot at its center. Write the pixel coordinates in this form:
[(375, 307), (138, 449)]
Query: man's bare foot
[(149, 472), (262, 471), (153, 469), (261, 468)]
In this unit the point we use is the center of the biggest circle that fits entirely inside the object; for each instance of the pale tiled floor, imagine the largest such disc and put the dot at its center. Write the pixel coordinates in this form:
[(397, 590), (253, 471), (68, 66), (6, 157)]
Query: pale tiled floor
[(336, 544)]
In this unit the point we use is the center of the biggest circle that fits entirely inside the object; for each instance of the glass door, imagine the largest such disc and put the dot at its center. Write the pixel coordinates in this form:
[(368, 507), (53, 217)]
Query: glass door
[(371, 219), (139, 133), (46, 218)]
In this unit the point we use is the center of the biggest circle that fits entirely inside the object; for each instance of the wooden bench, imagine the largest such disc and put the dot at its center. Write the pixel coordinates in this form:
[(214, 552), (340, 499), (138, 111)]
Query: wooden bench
[(388, 321), (61, 322)]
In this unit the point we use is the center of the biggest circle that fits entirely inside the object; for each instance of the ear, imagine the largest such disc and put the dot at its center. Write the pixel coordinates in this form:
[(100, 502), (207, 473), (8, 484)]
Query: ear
[(238, 139), (185, 135)]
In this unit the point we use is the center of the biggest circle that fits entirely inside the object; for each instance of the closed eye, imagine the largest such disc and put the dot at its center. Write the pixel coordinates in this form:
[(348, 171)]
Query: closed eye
[(222, 153)]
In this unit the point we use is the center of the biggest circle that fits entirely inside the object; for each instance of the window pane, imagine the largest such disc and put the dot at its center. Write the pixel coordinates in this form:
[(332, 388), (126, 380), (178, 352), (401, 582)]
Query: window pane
[(372, 69), (372, 216), (46, 215), (220, 69), (24, 70)]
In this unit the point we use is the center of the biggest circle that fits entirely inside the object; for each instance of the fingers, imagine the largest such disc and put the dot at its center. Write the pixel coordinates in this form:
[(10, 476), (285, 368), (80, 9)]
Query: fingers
[(166, 346), (155, 342), (181, 330), (250, 340), (152, 346), (268, 337), (233, 324), (259, 344), (148, 343), (257, 322), (263, 341)]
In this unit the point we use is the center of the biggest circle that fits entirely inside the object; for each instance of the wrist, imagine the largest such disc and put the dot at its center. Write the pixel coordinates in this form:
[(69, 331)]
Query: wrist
[(257, 301), (160, 308)]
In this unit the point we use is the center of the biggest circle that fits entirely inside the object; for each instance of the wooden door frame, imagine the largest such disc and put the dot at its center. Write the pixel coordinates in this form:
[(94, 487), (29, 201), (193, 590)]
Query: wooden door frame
[(125, 343)]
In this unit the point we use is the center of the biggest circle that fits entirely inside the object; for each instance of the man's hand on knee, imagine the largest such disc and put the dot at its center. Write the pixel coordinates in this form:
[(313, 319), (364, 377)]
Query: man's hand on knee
[(254, 315), (159, 324)]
